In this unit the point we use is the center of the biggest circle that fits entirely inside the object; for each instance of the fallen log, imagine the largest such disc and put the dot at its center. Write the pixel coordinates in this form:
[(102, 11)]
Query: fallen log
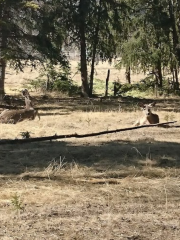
[(76, 135)]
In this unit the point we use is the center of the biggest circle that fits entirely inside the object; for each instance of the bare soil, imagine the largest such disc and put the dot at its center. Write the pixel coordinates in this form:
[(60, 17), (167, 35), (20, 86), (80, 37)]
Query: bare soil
[(118, 186)]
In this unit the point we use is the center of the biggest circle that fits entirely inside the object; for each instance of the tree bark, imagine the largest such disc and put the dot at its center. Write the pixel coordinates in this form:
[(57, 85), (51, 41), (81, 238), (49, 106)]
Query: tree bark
[(175, 37), (107, 82), (96, 39), (159, 74), (83, 58), (3, 39), (128, 75), (176, 78), (2, 76)]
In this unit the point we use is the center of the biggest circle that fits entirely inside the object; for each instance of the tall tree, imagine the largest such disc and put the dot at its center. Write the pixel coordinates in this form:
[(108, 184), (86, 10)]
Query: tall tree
[(174, 8), (98, 13), (3, 43), (148, 46), (28, 35), (82, 10), (106, 20), (93, 26)]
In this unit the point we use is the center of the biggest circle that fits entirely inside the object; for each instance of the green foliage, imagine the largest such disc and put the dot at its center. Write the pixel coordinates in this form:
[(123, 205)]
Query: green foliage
[(66, 87), (95, 28), (31, 4), (25, 135), (99, 86), (105, 24), (60, 79), (17, 202), (126, 88), (146, 87), (35, 84), (54, 78), (152, 39), (30, 33), (145, 34)]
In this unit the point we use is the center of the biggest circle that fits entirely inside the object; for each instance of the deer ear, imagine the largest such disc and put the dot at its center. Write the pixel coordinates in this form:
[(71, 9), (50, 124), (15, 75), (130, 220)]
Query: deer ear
[(25, 93), (140, 104), (152, 104)]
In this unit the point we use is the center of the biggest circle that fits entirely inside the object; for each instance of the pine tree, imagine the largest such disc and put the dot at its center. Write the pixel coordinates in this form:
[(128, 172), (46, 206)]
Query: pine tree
[(93, 26), (29, 34), (150, 45)]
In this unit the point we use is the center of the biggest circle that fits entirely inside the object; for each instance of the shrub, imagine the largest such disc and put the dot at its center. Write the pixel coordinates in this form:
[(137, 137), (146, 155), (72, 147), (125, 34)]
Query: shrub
[(54, 78), (145, 87)]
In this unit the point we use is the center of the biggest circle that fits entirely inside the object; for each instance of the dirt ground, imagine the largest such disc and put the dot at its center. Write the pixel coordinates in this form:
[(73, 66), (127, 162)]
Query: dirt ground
[(115, 186)]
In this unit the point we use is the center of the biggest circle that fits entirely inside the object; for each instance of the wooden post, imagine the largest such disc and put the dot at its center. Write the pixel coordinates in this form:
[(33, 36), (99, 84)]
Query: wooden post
[(107, 82)]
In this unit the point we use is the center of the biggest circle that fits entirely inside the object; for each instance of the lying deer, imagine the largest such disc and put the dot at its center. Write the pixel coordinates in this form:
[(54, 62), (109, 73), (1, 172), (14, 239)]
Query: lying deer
[(14, 116), (148, 117)]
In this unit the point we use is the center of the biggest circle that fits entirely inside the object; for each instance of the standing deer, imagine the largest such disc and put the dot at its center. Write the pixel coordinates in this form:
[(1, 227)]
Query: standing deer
[(14, 116), (148, 117)]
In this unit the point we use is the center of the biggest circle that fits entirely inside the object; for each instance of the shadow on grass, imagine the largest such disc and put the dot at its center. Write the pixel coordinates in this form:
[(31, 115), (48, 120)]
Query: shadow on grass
[(53, 113), (70, 104), (105, 104), (114, 156)]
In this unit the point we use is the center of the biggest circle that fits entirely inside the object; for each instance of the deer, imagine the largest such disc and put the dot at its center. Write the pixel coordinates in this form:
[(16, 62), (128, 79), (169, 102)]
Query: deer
[(148, 117), (19, 115)]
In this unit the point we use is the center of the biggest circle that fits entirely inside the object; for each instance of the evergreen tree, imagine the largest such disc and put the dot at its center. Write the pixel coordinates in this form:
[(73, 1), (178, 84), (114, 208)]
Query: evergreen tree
[(29, 33), (153, 38), (106, 21), (93, 26)]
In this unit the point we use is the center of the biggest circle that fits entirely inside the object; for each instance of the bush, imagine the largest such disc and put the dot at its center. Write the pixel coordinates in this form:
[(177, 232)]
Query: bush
[(54, 78), (65, 87), (146, 87)]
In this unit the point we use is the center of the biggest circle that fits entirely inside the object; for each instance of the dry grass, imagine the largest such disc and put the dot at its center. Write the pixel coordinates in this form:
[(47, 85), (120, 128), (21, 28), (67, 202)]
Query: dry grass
[(136, 208), (14, 80), (117, 186)]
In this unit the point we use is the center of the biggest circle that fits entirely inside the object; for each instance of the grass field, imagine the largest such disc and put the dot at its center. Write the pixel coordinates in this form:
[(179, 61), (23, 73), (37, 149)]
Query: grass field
[(116, 186), (15, 81)]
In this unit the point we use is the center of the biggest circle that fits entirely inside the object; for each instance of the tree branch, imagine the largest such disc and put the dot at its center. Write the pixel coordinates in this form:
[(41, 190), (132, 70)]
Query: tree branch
[(75, 135)]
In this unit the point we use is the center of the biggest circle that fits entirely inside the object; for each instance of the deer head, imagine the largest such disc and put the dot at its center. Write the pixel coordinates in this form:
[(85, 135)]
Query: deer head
[(146, 108), (28, 102)]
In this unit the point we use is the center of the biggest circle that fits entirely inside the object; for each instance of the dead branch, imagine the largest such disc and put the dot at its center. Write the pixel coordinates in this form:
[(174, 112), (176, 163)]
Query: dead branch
[(75, 135)]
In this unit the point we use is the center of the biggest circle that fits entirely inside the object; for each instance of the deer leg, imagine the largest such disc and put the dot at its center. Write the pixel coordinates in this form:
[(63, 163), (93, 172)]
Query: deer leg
[(137, 123)]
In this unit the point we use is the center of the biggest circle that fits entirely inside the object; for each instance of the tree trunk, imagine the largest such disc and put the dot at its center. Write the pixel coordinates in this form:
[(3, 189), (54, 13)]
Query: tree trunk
[(173, 20), (107, 82), (175, 38), (2, 76), (3, 38), (128, 75), (96, 38), (83, 59), (159, 74), (176, 79), (47, 83), (173, 78)]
